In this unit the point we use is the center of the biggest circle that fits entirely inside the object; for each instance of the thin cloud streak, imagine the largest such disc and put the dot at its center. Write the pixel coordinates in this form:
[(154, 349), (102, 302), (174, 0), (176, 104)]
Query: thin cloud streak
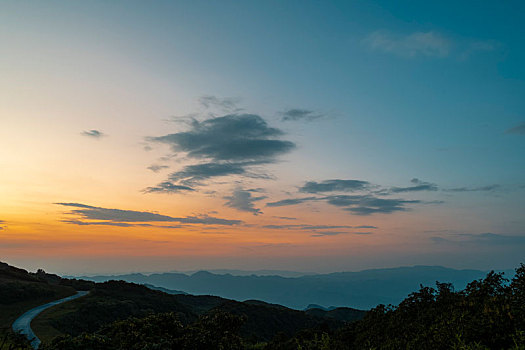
[(518, 129), (297, 114), (334, 185), (88, 212), (336, 233), (96, 134), (488, 238), (418, 186), (429, 44)]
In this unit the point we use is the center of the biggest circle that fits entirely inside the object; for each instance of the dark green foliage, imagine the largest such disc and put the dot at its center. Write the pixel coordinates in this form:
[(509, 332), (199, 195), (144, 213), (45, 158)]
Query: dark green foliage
[(160, 331), (488, 314), (13, 292), (13, 341), (341, 313), (264, 321)]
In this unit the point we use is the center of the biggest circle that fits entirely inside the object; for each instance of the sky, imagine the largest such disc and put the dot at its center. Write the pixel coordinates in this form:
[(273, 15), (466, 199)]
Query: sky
[(313, 136)]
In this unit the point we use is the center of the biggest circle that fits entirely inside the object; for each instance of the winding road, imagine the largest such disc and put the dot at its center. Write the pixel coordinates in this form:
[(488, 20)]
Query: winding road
[(23, 323)]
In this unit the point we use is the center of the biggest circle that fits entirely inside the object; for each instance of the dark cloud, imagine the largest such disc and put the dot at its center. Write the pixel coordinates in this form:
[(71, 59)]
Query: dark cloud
[(228, 104), (355, 204), (482, 239), (97, 223), (418, 186), (77, 205), (99, 214), (284, 218), (192, 176), (366, 226), (196, 174), (307, 227), (291, 201), (117, 224), (96, 134), (234, 137), (242, 200), (334, 185), (256, 190), (168, 187), (474, 189), (156, 168), (345, 200), (296, 114), (372, 205), (208, 220), (234, 144), (334, 233), (518, 129)]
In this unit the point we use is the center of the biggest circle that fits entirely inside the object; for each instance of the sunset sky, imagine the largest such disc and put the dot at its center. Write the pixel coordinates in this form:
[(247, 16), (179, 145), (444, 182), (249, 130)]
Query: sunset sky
[(295, 135)]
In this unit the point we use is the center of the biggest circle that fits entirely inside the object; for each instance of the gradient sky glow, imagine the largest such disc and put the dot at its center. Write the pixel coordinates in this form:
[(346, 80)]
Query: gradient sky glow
[(296, 135)]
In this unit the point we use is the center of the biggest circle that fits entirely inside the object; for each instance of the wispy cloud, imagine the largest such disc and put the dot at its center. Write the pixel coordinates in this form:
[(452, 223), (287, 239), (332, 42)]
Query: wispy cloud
[(488, 188), (418, 186), (291, 201), (244, 201), (356, 204), (199, 174), (518, 129), (226, 104), (368, 204), (323, 230), (121, 216), (430, 44), (297, 114), (168, 187), (156, 168), (307, 227), (96, 134), (334, 185), (284, 218), (488, 238), (478, 46), (335, 233)]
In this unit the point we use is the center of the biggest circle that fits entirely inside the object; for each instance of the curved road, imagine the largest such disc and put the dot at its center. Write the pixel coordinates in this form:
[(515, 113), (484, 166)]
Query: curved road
[(23, 323)]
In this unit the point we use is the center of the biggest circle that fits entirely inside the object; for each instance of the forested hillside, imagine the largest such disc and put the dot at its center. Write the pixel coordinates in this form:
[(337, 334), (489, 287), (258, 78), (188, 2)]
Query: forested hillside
[(488, 314)]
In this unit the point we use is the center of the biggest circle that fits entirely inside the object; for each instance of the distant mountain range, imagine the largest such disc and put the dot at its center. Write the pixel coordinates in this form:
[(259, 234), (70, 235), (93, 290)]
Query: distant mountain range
[(362, 290)]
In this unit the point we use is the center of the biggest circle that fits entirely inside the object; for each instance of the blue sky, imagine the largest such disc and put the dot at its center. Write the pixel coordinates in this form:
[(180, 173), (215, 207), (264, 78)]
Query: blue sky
[(383, 92)]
